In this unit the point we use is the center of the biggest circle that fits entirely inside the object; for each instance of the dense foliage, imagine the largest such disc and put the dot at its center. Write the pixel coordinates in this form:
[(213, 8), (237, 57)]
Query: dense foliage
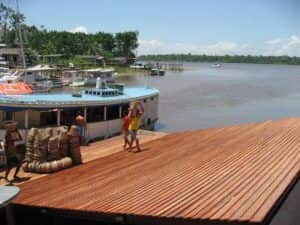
[(45, 42), (225, 58)]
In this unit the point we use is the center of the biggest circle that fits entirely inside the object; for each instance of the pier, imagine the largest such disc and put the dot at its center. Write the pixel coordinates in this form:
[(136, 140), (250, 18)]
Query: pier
[(233, 175), (94, 150), (165, 66)]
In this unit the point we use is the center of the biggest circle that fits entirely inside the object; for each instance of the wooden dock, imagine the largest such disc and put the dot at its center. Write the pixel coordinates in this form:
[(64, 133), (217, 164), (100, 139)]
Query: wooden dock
[(94, 151), (232, 175)]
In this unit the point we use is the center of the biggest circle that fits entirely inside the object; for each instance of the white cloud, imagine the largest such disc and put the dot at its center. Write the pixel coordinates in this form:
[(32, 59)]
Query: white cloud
[(80, 29), (279, 46), (274, 41)]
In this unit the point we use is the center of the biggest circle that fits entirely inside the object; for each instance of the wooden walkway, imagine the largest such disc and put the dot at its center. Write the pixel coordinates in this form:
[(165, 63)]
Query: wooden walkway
[(94, 151), (231, 175)]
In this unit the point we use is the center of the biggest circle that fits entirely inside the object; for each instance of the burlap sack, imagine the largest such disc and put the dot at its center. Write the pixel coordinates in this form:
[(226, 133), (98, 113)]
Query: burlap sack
[(40, 145), (53, 149), (75, 149), (29, 144), (63, 140)]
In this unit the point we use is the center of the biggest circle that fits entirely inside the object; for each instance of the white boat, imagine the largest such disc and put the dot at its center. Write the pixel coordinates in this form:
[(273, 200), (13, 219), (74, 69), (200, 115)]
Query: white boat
[(9, 77), (216, 65), (106, 74), (69, 76), (102, 108), (56, 82), (138, 65), (78, 83), (157, 72), (38, 77)]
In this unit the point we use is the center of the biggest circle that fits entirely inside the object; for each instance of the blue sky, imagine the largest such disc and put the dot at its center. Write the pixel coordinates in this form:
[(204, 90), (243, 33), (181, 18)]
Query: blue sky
[(269, 27)]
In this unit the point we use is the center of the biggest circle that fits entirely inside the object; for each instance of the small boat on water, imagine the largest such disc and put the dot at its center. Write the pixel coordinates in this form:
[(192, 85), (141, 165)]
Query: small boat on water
[(138, 65), (41, 86), (157, 72), (107, 74), (78, 83), (216, 65), (69, 76), (15, 89), (56, 83)]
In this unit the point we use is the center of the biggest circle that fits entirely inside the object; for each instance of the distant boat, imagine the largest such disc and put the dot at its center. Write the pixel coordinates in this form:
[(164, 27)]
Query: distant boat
[(56, 83), (138, 65), (15, 89), (216, 65), (106, 74), (157, 72), (78, 83)]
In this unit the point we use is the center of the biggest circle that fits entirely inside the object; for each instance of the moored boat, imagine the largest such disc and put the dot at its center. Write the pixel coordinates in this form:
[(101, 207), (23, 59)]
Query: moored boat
[(15, 89), (78, 83), (91, 75), (157, 72), (102, 108)]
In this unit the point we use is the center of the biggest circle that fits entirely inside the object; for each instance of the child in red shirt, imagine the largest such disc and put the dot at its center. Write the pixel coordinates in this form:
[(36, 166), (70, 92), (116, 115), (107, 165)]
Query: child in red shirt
[(126, 122)]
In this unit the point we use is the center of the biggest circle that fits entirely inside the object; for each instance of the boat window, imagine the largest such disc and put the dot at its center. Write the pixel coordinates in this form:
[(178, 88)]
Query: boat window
[(8, 115), (68, 116), (112, 112), (48, 118), (95, 114), (125, 108)]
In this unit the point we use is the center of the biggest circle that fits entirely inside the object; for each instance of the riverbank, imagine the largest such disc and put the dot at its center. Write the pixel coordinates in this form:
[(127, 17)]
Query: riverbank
[(285, 60)]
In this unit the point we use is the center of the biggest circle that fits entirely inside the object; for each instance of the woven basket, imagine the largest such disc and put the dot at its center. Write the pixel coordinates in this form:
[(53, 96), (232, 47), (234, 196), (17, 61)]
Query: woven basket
[(53, 149)]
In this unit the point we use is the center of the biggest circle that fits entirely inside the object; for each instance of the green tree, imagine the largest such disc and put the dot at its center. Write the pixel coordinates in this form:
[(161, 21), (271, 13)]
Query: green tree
[(126, 43)]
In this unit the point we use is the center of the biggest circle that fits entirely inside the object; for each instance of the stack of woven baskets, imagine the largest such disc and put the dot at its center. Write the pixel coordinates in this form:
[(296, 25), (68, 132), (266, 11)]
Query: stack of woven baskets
[(46, 153)]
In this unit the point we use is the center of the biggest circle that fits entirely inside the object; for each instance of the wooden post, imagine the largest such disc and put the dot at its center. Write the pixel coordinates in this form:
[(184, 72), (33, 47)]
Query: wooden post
[(85, 113), (26, 118), (58, 117), (120, 111), (105, 112)]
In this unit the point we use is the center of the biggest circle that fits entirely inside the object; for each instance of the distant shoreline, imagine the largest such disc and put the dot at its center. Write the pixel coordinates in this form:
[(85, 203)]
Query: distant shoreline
[(283, 60)]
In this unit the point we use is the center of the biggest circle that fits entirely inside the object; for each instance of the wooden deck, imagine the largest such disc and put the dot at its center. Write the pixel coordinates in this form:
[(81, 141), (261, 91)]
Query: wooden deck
[(95, 150), (231, 175)]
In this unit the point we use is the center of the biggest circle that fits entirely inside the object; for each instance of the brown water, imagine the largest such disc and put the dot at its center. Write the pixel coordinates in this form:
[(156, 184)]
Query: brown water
[(202, 96)]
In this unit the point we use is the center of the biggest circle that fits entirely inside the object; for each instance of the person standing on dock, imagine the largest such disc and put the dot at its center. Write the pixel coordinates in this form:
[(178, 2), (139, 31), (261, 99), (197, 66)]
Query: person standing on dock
[(12, 160), (125, 128), (136, 112), (82, 127)]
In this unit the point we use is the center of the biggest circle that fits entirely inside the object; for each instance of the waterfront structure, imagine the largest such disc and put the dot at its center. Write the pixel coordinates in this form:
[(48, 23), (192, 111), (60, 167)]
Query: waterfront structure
[(101, 107), (91, 75), (231, 175), (11, 55)]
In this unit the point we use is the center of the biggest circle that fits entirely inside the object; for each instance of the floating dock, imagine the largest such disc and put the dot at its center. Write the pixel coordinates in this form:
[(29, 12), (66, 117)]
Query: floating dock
[(232, 175)]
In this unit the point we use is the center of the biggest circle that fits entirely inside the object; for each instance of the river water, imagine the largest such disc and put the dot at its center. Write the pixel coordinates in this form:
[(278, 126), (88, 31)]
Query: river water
[(202, 96)]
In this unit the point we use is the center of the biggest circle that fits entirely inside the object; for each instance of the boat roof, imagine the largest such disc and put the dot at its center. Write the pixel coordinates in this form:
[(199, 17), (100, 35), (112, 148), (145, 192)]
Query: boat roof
[(39, 68), (67, 100), (98, 70)]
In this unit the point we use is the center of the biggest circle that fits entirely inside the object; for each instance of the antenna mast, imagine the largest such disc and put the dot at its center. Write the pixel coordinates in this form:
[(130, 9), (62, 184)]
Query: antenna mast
[(21, 41)]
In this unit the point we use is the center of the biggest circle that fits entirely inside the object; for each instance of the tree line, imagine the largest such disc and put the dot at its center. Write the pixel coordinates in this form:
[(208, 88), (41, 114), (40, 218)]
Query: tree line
[(45, 42), (225, 58)]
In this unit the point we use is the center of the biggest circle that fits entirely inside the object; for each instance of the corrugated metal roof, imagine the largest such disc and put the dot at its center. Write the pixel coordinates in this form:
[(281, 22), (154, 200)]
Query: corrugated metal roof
[(232, 175)]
